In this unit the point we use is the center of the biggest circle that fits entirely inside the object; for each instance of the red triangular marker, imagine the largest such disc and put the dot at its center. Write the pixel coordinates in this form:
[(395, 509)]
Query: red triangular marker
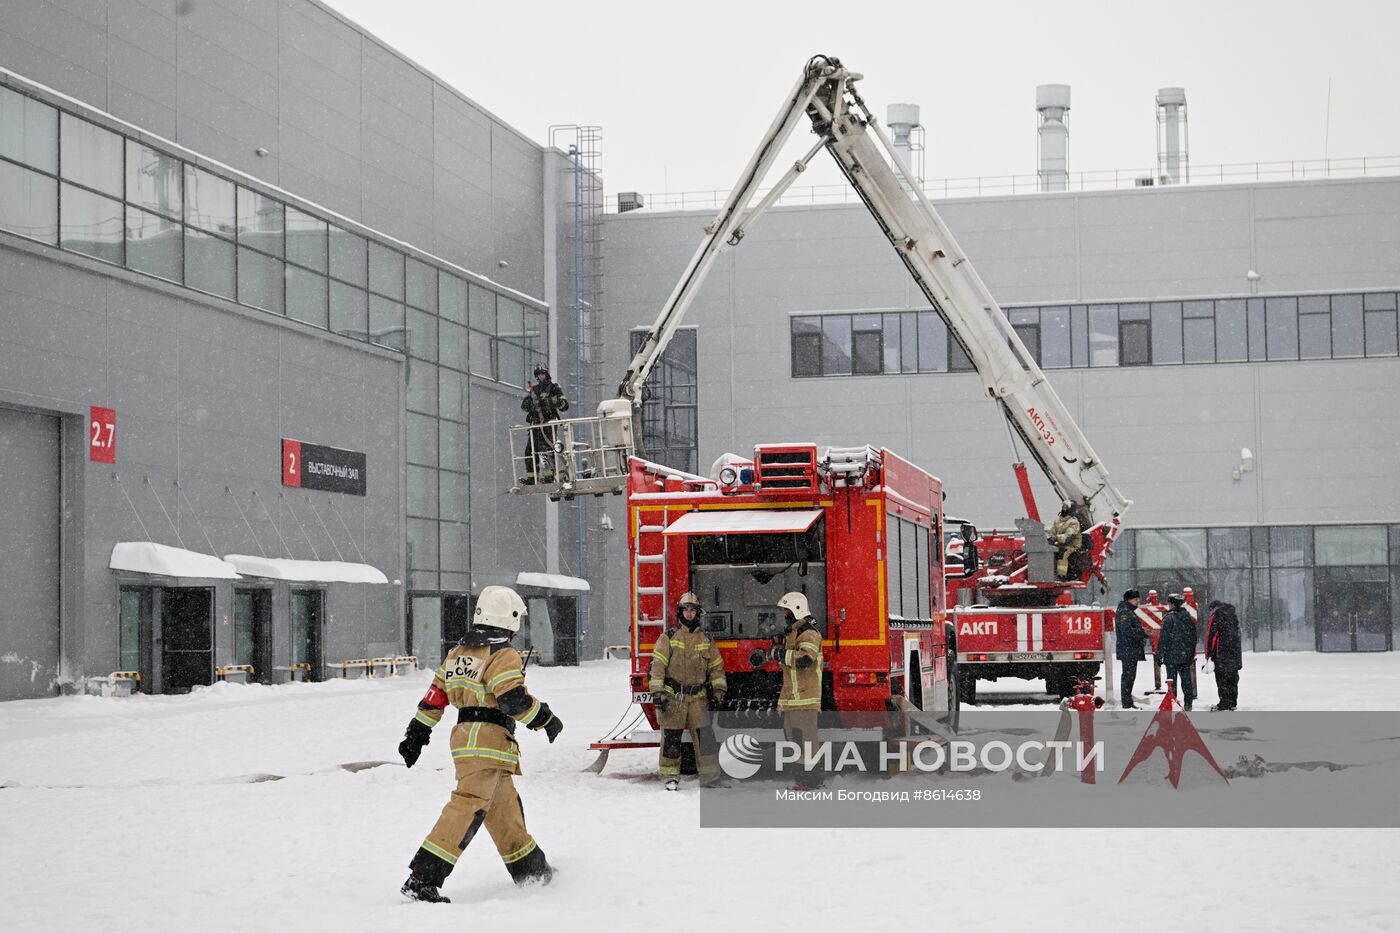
[(1174, 734)]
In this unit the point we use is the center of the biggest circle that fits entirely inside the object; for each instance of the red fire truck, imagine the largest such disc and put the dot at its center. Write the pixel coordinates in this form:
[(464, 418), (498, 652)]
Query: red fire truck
[(857, 530)]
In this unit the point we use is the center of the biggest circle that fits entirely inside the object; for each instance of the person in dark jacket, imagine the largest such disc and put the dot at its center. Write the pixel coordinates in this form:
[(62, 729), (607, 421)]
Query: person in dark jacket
[(1223, 649), (1176, 646), (1130, 645), (544, 402)]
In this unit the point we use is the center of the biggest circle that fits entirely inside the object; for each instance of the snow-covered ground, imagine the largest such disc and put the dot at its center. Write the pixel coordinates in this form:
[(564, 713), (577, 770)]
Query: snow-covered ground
[(149, 813)]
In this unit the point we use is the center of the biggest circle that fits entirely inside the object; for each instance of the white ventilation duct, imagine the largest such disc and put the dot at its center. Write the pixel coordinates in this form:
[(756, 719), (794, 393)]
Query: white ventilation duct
[(1173, 164), (1052, 105)]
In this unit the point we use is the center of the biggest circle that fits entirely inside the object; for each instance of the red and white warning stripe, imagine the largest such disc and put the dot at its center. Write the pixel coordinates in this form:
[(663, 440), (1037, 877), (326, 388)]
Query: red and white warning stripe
[(1151, 615), (1030, 632)]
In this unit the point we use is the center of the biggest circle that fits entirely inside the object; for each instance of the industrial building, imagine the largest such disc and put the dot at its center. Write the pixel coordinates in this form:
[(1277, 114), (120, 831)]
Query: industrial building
[(270, 294)]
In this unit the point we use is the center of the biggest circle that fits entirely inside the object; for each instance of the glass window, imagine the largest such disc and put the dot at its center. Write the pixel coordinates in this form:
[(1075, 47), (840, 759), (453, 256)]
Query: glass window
[(420, 284), (1136, 340), (481, 355), (483, 309), (1103, 335), (307, 297), (349, 311), (1166, 333), (28, 131), (153, 180), (1315, 336), (1290, 547), (259, 281), (836, 345), (1079, 334), (1380, 333), (1347, 333), (209, 263), (90, 155), (909, 342), (933, 343), (1054, 338), (1198, 340), (1291, 610), (1023, 315), (1229, 547), (510, 363), (453, 496), (1350, 544), (806, 346), (452, 297), (28, 203), (1256, 328), (1281, 315), (866, 343), (154, 245), (1171, 548), (452, 394), (1380, 301), (349, 258), (1030, 337), (386, 271), (452, 345), (260, 222), (422, 544), (1231, 334), (453, 445), (386, 322), (422, 492), (422, 335), (90, 224), (958, 360), (306, 240), (455, 548), (892, 343), (422, 439), (423, 387), (1313, 304), (510, 318), (209, 202)]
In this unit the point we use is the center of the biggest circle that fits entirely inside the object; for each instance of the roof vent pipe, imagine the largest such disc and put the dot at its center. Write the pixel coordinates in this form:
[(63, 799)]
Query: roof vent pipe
[(1173, 164), (1052, 106)]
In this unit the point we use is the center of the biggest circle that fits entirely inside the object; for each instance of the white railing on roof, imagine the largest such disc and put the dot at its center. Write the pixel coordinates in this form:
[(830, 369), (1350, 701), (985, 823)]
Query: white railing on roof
[(1104, 180)]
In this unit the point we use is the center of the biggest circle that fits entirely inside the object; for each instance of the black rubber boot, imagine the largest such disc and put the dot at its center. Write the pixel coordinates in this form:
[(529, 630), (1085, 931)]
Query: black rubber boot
[(532, 869), (416, 889)]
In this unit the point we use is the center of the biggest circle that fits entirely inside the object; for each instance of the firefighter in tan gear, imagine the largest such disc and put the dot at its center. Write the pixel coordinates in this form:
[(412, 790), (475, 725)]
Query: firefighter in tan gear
[(686, 673), (483, 677), (1065, 535), (800, 700)]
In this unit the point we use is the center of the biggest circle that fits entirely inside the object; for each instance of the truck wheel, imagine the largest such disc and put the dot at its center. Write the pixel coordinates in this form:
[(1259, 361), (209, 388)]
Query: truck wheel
[(954, 695), (967, 688)]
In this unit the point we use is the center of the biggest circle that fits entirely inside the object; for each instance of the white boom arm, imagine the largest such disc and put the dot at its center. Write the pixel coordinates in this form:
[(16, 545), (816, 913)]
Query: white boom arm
[(849, 131)]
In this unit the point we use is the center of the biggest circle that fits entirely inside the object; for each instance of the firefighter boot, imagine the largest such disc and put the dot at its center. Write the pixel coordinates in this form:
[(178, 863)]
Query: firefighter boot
[(532, 869), (415, 889)]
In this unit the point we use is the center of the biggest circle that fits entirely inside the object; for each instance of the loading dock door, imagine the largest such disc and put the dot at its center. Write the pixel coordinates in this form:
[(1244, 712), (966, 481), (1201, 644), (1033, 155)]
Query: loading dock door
[(252, 631), (29, 555), (186, 638)]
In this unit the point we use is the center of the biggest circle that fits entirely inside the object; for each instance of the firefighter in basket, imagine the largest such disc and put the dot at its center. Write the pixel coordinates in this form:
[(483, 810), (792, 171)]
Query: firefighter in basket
[(687, 674), (1065, 535), (483, 677), (544, 402), (800, 700)]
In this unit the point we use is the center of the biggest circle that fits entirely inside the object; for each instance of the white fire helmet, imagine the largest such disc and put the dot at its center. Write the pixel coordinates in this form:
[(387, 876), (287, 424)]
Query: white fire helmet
[(500, 607), (796, 603)]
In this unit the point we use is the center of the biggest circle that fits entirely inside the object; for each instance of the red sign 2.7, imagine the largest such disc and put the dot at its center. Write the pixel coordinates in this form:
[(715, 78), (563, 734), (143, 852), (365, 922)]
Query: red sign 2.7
[(102, 435)]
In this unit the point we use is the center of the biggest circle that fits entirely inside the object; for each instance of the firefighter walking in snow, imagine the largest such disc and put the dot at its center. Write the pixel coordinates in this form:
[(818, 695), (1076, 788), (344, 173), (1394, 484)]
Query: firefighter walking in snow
[(483, 677), (687, 672), (800, 700)]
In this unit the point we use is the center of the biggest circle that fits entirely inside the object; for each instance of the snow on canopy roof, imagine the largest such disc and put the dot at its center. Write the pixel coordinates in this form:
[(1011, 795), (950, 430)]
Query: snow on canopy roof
[(743, 521), (553, 581), (305, 571), (167, 561)]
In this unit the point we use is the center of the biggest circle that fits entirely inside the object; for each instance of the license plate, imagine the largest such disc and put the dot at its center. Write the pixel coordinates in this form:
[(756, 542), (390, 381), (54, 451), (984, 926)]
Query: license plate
[(643, 697), (1027, 656)]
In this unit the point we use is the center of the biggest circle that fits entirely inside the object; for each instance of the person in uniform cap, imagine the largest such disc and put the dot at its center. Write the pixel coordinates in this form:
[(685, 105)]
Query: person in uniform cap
[(1176, 645), (1130, 645), (483, 678), (687, 675)]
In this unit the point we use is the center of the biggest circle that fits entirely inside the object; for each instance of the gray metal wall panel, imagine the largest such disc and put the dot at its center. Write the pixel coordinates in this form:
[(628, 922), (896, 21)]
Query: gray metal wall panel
[(29, 555)]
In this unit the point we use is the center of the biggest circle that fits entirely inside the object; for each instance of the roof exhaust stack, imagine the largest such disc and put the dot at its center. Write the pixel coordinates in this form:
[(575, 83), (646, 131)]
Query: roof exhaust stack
[(1173, 163), (1052, 103), (907, 137)]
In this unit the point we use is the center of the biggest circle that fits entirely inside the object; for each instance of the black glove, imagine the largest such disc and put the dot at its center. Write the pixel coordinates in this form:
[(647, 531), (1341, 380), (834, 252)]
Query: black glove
[(553, 728), (414, 738)]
